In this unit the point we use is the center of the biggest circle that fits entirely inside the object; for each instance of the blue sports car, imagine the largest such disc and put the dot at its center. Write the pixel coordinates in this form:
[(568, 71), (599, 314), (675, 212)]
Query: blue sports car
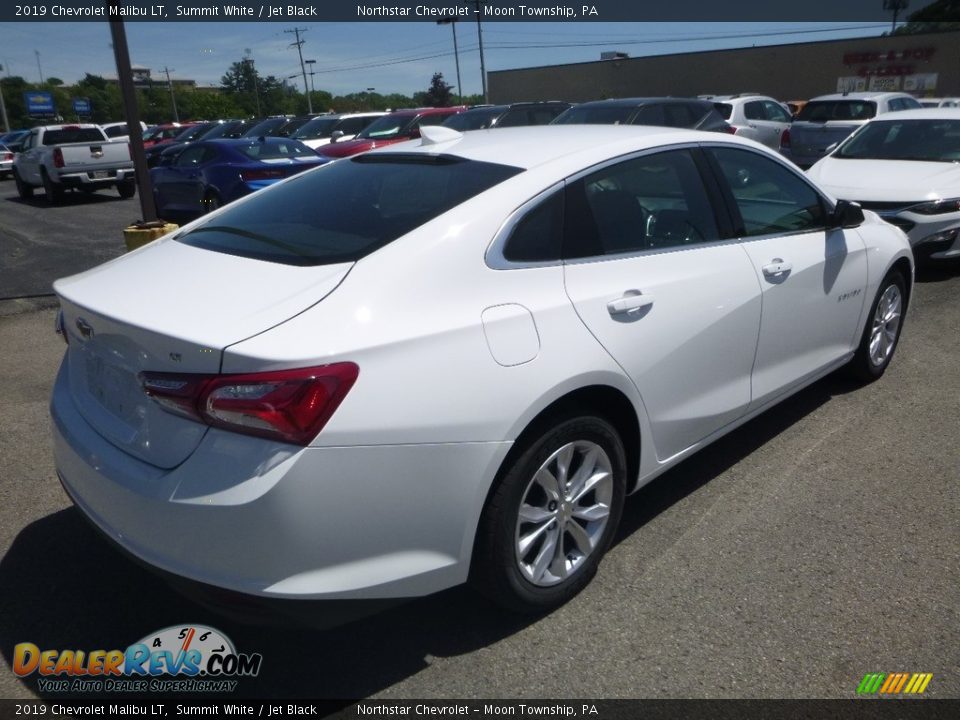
[(211, 173)]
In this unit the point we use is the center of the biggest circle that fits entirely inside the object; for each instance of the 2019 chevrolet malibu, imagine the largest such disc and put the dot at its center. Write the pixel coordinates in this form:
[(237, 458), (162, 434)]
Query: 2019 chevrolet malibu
[(452, 359), (906, 167)]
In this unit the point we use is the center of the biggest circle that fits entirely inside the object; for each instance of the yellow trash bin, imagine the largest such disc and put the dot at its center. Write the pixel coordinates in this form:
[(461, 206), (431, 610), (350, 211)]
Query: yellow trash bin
[(139, 234)]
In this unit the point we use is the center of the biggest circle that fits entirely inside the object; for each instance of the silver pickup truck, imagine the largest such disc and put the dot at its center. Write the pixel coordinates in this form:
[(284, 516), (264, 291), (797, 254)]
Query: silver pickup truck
[(79, 157)]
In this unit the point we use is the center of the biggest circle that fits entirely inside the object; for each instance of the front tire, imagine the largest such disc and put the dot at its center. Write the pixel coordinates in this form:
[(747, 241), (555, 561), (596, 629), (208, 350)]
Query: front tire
[(882, 332), (551, 517)]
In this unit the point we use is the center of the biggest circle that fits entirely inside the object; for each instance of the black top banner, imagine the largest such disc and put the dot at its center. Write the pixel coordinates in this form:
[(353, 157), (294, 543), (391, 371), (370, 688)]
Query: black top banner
[(463, 10)]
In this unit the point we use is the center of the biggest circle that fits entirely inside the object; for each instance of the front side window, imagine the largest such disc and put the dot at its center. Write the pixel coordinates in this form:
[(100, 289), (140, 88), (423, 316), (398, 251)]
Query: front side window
[(368, 201), (655, 201), (771, 199), (192, 157)]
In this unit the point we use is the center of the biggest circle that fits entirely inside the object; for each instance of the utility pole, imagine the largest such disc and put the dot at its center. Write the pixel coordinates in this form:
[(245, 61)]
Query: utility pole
[(299, 43), (39, 69), (3, 108), (452, 22), (312, 72), (121, 55), (173, 99), (478, 6)]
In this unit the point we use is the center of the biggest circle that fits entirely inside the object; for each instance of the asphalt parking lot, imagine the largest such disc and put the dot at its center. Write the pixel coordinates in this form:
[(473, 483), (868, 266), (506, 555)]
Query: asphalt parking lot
[(815, 544)]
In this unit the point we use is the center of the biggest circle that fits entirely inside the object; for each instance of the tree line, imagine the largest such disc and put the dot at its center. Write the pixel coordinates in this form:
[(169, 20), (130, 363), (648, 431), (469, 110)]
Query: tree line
[(242, 93)]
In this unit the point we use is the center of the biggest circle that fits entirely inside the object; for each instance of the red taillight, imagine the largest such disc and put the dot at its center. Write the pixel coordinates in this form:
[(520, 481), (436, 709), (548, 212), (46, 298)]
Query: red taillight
[(731, 129), (8, 156), (262, 174), (785, 139), (288, 405), (57, 157)]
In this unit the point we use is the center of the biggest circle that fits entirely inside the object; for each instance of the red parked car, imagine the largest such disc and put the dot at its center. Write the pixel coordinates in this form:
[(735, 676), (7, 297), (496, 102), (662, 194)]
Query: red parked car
[(165, 133), (393, 128)]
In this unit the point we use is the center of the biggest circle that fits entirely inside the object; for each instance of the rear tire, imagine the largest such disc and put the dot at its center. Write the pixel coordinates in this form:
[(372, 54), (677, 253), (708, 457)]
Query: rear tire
[(551, 516), (52, 190), (126, 189), (23, 190), (882, 332)]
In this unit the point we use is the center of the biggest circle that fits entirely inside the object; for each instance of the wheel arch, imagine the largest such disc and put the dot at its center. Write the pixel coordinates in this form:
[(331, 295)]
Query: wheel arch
[(602, 400)]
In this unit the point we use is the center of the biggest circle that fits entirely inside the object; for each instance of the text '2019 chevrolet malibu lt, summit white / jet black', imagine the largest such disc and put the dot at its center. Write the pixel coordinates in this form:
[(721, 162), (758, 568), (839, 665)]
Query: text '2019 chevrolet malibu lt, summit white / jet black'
[(451, 359)]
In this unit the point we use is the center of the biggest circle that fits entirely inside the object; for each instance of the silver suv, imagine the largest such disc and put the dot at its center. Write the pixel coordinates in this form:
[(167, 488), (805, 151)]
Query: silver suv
[(827, 120)]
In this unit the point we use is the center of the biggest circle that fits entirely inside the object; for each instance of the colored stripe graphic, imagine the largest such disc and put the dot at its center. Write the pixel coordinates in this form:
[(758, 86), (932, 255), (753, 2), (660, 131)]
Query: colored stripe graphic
[(894, 683)]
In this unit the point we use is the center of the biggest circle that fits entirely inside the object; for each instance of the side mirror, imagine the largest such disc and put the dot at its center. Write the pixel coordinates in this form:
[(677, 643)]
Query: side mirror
[(846, 214), (336, 135)]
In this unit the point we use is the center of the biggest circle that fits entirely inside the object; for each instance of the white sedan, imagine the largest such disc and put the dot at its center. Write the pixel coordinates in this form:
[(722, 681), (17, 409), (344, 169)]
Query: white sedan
[(451, 359), (906, 167)]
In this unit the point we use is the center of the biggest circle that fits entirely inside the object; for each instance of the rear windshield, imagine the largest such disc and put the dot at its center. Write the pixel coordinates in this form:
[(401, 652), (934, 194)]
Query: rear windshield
[(824, 110), (321, 127), (270, 150), (367, 202), (603, 115), (389, 126), (725, 109), (473, 119), (72, 135)]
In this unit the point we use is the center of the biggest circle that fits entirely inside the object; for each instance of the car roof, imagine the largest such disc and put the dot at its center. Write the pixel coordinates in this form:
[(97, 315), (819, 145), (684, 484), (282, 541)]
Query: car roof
[(859, 96), (922, 114), (529, 147), (638, 101)]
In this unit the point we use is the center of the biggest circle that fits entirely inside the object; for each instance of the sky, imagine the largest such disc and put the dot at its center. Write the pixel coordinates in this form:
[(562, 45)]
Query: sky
[(388, 57)]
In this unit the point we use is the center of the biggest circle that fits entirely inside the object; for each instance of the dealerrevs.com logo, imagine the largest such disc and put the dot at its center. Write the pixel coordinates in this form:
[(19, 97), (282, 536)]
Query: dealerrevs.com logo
[(181, 658)]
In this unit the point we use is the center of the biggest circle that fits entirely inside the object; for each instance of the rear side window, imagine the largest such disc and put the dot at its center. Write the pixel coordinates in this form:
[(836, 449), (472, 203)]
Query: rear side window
[(680, 116), (72, 135), (368, 201), (753, 110), (771, 199), (538, 235), (117, 131)]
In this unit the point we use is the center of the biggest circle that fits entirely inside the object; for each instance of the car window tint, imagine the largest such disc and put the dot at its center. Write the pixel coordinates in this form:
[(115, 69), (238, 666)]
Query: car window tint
[(725, 109), (72, 135), (520, 117), (368, 202), (598, 115), (753, 110), (771, 198), (649, 115), (275, 149), (351, 126), (436, 119), (117, 131), (651, 202), (775, 112), (678, 115), (826, 110), (537, 236), (191, 157)]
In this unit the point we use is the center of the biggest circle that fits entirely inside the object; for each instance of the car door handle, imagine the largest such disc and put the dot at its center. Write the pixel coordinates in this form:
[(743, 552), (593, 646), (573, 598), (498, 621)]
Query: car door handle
[(777, 268), (629, 303)]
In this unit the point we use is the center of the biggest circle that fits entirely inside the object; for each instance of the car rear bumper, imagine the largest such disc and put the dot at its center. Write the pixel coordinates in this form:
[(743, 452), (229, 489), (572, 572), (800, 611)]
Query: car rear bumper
[(91, 179), (278, 521)]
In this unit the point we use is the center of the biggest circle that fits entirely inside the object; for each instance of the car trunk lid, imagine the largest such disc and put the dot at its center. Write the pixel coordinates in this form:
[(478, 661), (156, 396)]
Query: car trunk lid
[(170, 308)]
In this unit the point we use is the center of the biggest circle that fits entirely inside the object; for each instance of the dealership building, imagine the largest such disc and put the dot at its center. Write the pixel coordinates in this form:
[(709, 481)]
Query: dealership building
[(925, 65)]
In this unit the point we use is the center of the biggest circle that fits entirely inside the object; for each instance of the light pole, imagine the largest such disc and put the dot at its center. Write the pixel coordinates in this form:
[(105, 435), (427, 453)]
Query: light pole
[(478, 5), (452, 22), (247, 60), (39, 69)]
